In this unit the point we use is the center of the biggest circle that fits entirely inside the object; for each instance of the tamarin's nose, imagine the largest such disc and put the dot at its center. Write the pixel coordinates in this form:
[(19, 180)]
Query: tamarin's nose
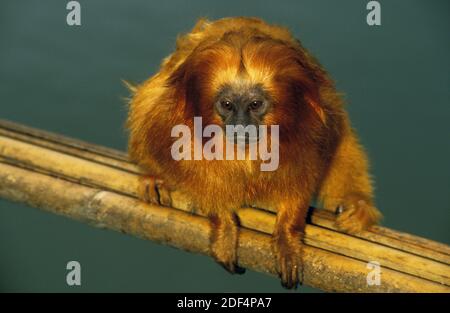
[(242, 118)]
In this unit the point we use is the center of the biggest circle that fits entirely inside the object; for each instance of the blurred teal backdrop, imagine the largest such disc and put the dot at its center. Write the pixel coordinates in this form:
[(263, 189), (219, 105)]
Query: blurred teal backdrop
[(68, 80)]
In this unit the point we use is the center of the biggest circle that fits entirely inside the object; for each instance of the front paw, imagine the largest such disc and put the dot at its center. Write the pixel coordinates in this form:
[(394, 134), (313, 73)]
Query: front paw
[(288, 253), (356, 214), (153, 190), (225, 253)]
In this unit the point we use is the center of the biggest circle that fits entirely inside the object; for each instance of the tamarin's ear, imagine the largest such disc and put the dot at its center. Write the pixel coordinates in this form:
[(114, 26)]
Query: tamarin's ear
[(185, 78), (313, 77), (184, 82), (181, 81), (178, 77), (307, 89), (317, 108)]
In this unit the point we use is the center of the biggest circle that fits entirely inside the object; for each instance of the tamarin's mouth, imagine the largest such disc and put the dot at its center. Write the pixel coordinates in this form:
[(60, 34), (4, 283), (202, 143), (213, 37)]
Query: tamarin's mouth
[(243, 139), (247, 139)]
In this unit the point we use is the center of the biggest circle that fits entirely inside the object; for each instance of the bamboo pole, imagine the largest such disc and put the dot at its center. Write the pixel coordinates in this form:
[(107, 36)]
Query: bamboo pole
[(409, 263)]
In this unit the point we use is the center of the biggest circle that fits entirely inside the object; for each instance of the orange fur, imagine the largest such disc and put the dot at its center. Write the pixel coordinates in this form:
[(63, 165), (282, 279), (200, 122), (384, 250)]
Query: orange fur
[(319, 153)]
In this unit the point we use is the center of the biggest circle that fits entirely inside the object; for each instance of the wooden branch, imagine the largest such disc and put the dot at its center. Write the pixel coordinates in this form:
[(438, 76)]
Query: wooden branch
[(98, 185)]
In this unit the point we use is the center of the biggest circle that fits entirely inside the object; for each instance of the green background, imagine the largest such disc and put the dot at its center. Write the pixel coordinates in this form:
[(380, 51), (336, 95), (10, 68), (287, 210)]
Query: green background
[(68, 80)]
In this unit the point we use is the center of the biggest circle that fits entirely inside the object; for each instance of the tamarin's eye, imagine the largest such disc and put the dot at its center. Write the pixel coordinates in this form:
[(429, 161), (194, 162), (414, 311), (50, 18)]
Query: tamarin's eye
[(227, 105), (255, 105)]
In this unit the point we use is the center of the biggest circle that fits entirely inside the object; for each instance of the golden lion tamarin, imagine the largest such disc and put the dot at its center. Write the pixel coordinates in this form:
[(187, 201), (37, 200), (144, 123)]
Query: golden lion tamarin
[(242, 71)]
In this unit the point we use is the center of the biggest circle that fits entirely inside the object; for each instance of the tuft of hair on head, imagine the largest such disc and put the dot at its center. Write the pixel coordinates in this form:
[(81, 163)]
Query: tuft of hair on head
[(132, 88)]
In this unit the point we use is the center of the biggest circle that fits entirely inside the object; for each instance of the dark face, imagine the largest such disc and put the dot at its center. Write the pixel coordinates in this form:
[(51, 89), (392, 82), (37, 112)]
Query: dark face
[(243, 105)]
